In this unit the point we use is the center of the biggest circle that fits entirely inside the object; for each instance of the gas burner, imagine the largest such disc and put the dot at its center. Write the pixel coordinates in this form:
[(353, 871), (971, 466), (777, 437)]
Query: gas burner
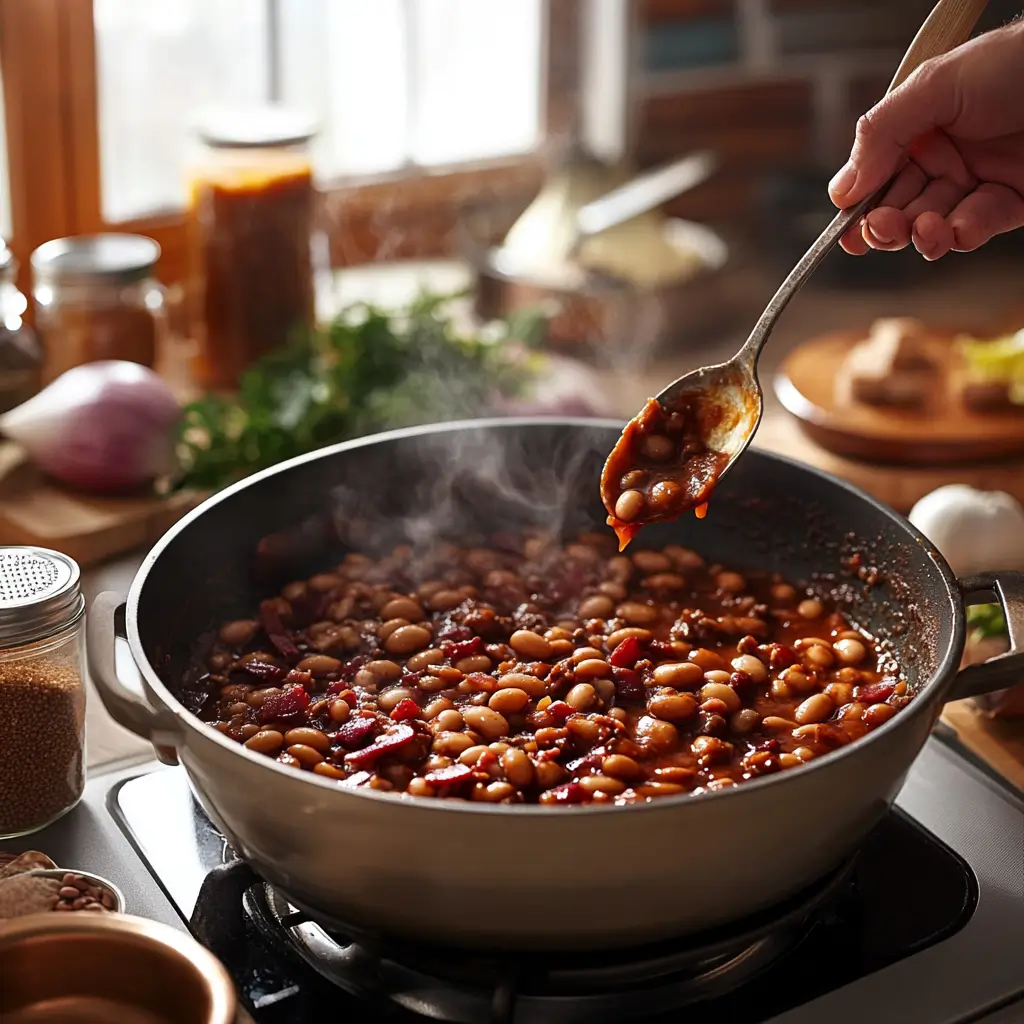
[(466, 987)]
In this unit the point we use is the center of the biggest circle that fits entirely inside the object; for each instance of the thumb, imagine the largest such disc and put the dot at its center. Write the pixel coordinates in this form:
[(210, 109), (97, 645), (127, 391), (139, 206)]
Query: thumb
[(926, 100)]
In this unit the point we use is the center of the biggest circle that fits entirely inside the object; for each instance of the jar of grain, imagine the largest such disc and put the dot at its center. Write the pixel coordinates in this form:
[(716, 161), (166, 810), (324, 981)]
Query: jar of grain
[(42, 690), (97, 298), (250, 235)]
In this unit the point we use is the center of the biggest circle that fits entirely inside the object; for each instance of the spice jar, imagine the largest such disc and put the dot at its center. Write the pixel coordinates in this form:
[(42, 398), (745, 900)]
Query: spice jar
[(97, 298), (21, 357), (42, 690), (250, 235)]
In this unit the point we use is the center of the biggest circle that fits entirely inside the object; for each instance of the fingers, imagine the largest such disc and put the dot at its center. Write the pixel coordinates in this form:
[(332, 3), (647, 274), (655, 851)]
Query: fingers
[(923, 102), (933, 235), (988, 211)]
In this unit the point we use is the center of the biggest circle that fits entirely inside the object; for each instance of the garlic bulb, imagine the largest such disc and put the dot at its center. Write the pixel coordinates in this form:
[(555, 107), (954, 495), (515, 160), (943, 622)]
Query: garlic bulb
[(975, 531)]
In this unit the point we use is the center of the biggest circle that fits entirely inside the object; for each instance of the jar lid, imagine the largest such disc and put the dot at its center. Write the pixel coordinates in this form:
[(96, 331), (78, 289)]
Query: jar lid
[(39, 593), (255, 127), (112, 257)]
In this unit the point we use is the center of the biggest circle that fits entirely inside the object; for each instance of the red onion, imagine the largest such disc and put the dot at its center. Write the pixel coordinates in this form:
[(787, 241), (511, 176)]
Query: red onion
[(104, 427)]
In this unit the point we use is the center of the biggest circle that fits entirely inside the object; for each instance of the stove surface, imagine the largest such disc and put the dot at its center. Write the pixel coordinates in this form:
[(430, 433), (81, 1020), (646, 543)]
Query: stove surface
[(929, 929)]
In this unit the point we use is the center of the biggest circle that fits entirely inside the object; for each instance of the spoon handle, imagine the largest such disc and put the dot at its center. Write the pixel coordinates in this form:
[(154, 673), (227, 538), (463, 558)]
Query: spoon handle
[(949, 24)]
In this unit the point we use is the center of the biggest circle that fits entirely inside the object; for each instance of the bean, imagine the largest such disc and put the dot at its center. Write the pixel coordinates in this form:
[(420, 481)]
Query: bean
[(517, 766), (774, 723), (850, 652), (614, 639), (584, 729), (682, 675), (591, 668), (305, 755), (445, 600), (402, 608), (818, 657), (602, 784), (561, 648), (619, 766), (783, 594), (840, 693), (471, 755), (238, 633), (294, 590), (549, 773), (628, 505), (652, 561), (744, 721), (717, 675), (798, 680), (324, 582), (508, 701), (450, 720), (810, 608), (534, 686), (488, 723), (638, 614), (267, 741), (328, 771), (753, 667), (597, 607), (711, 750), (320, 665), (582, 696), (309, 737), (493, 793), (407, 639), (420, 787), (474, 663), (854, 711), (877, 714), (730, 582), (779, 690), (557, 633), (658, 447), (388, 700), (815, 709), (385, 629), (418, 662), (605, 689), (723, 692), (788, 760), (804, 753), (339, 710), (436, 706), (665, 581), (661, 736), (672, 707), (660, 789), (707, 660), (451, 743)]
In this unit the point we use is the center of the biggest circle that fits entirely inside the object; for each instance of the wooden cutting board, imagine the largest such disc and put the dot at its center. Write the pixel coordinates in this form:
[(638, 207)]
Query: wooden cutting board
[(34, 510), (997, 741)]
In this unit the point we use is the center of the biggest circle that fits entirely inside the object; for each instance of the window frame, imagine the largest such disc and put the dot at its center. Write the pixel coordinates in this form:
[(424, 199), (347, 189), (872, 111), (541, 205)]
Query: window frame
[(48, 53)]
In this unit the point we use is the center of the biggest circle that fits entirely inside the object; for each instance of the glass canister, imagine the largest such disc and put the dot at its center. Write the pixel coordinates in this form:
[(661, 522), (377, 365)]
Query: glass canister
[(97, 298), (252, 207), (21, 356), (42, 688)]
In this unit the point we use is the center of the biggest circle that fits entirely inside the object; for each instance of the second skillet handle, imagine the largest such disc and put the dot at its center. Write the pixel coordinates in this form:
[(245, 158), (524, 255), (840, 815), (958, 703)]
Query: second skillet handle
[(1004, 670)]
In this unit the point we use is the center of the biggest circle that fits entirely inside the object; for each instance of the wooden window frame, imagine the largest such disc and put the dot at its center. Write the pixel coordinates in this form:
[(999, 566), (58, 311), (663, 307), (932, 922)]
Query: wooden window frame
[(48, 56)]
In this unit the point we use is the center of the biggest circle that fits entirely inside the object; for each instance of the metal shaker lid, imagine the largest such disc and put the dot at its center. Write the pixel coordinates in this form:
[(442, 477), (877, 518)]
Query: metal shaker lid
[(40, 592)]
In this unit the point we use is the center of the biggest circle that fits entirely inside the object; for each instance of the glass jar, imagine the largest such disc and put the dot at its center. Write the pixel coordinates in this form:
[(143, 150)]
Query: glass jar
[(252, 206), (42, 688), (97, 298), (21, 357)]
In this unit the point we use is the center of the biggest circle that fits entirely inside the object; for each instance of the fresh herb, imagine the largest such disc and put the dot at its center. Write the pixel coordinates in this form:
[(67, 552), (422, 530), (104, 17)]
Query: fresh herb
[(986, 621), (368, 370)]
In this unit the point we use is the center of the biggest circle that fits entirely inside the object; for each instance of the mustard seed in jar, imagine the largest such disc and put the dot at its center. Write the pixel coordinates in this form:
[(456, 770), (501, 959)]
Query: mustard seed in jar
[(42, 694)]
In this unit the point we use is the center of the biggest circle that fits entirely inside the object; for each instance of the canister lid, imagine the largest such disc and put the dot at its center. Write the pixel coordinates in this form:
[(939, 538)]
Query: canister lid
[(39, 593), (257, 127), (111, 257)]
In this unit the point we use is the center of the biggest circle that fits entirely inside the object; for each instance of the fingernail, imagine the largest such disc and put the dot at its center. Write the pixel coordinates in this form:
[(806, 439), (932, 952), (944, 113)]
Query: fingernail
[(843, 180), (880, 239)]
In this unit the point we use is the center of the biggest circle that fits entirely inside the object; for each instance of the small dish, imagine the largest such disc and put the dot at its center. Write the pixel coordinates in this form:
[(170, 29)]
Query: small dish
[(93, 879)]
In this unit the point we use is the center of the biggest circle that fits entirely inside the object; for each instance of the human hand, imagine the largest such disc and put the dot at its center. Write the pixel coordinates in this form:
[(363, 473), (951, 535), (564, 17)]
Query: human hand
[(958, 124)]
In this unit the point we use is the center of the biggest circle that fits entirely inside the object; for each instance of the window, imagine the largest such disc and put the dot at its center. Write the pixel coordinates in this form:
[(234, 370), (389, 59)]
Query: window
[(396, 84)]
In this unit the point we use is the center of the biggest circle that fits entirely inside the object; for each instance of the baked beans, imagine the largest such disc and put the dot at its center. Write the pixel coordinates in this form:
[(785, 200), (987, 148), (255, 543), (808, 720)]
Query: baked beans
[(539, 673)]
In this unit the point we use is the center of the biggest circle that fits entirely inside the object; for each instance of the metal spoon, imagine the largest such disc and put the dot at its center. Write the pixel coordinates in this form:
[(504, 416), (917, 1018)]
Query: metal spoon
[(727, 397)]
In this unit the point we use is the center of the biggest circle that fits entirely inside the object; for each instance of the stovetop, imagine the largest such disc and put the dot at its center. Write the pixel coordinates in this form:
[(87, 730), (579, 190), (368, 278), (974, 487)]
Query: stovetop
[(927, 925)]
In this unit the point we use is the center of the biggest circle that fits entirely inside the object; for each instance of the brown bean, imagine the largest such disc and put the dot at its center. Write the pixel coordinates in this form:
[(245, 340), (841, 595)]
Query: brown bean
[(591, 668), (474, 663), (599, 606), (850, 652), (816, 708), (329, 771), (620, 766), (385, 671), (717, 675), (775, 723), (238, 633), (517, 766), (753, 667), (818, 657), (602, 784), (268, 741), (711, 750), (508, 701), (744, 721), (307, 756), (385, 629), (661, 736), (651, 561), (682, 675), (708, 660), (557, 633), (450, 720), (309, 737), (877, 714), (730, 582), (810, 608), (488, 723), (451, 743), (389, 699), (582, 696), (521, 681), (418, 662), (637, 613), (658, 447), (493, 792), (789, 760), (798, 680), (444, 600), (549, 773), (402, 608), (530, 645), (472, 754), (628, 505), (614, 639), (407, 639), (320, 665), (339, 710), (723, 692), (840, 693), (665, 581), (783, 594)]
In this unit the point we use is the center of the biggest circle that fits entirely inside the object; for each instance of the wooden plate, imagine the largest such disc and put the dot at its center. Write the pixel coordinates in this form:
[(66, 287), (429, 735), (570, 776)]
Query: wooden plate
[(943, 432)]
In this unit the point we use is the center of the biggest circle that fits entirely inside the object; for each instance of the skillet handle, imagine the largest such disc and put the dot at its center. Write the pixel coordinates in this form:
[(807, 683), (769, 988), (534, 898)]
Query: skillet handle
[(126, 707), (1004, 670)]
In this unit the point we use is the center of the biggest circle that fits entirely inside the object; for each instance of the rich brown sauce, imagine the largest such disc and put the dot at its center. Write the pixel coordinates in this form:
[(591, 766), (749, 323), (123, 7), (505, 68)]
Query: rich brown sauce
[(660, 468)]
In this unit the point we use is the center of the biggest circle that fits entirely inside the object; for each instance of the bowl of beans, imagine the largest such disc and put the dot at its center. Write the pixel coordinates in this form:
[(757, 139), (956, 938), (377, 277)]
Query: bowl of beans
[(418, 688)]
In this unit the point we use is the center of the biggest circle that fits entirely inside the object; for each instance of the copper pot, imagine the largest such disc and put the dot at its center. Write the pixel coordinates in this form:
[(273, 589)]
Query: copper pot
[(91, 968)]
